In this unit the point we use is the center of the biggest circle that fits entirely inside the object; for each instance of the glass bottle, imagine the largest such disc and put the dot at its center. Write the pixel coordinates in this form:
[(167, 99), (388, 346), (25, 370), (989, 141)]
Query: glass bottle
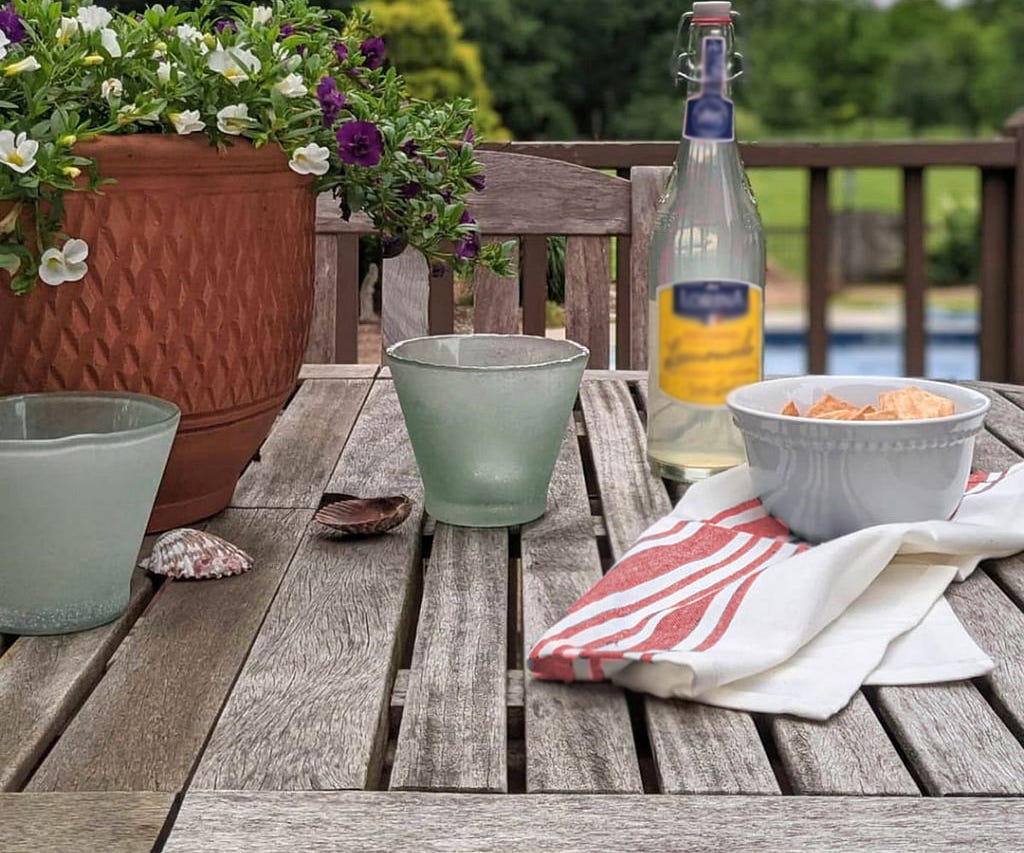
[(707, 270)]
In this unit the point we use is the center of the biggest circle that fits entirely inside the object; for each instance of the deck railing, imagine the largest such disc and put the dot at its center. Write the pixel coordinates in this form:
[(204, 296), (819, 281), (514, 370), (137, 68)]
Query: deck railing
[(1001, 273)]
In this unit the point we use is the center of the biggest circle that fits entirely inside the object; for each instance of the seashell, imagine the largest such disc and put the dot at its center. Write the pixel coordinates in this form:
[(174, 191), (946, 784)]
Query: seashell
[(188, 553), (354, 515)]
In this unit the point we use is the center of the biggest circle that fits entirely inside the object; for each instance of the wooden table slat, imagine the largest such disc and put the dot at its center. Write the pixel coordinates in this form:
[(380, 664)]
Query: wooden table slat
[(124, 822), (43, 680), (454, 726), (578, 738), (848, 754), (724, 753), (144, 725), (309, 708), (428, 822), (297, 459)]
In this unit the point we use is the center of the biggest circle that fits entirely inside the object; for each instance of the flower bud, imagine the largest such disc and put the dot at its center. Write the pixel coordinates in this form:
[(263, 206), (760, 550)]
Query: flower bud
[(71, 171), (67, 140), (160, 46), (92, 59)]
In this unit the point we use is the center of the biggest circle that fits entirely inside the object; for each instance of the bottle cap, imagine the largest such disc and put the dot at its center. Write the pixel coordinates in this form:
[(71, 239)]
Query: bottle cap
[(712, 11)]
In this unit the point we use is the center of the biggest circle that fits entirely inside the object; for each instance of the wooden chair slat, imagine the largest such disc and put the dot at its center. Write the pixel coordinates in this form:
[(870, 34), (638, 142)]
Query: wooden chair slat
[(915, 272), (819, 237), (308, 708), (453, 735), (648, 185), (405, 298), (534, 278), (322, 338), (993, 275), (441, 303), (496, 299), (587, 290), (346, 323), (534, 195), (578, 739), (626, 308)]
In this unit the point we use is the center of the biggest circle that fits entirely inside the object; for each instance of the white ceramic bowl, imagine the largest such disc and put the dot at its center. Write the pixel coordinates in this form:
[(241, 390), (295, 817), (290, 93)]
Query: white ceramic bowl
[(828, 478)]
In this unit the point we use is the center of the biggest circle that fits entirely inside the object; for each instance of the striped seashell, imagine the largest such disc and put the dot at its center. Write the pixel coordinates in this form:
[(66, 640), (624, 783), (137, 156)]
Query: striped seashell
[(360, 516), (192, 554)]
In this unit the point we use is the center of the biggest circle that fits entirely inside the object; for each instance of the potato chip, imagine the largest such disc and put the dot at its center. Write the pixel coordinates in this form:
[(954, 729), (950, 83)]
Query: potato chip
[(911, 403), (827, 404)]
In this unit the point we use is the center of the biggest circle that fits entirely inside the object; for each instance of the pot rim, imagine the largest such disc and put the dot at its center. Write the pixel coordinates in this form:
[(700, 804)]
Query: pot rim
[(575, 352), (167, 414)]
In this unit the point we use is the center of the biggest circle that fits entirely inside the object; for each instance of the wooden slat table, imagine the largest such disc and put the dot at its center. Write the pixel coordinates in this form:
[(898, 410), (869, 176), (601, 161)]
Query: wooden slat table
[(370, 695)]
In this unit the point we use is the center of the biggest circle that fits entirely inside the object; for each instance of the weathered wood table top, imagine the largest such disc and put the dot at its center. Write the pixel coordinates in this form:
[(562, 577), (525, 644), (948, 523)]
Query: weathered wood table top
[(368, 694)]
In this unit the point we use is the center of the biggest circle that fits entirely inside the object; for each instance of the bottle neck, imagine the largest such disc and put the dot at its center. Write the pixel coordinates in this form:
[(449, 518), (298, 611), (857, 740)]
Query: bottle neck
[(707, 66)]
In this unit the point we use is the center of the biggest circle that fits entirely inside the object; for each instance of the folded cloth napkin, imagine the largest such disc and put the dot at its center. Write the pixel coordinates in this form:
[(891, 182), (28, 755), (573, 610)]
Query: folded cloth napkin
[(717, 602)]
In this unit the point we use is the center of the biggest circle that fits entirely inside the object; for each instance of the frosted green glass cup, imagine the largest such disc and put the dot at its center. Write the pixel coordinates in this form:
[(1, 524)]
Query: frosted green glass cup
[(78, 476), (486, 416)]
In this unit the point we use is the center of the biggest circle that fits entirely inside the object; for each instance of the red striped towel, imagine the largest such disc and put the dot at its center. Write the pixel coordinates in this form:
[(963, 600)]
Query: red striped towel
[(717, 602)]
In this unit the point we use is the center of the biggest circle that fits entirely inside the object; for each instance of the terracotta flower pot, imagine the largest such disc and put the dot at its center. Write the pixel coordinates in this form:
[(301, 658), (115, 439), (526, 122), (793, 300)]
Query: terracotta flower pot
[(199, 290)]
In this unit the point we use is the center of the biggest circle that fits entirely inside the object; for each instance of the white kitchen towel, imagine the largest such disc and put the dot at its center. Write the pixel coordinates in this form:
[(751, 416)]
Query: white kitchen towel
[(716, 602)]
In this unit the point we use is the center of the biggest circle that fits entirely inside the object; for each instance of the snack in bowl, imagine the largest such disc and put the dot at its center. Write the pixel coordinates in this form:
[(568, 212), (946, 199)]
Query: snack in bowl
[(903, 404), (832, 454)]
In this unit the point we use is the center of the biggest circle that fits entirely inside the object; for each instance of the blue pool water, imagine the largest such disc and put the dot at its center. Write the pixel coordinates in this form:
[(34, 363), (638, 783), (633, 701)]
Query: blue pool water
[(947, 355)]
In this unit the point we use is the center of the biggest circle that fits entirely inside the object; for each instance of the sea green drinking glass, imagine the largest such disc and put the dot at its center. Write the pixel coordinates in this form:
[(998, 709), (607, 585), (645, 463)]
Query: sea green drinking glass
[(78, 476), (486, 416)]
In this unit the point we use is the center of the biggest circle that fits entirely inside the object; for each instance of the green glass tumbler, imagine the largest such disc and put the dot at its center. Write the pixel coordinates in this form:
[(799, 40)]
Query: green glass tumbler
[(486, 416), (79, 473)]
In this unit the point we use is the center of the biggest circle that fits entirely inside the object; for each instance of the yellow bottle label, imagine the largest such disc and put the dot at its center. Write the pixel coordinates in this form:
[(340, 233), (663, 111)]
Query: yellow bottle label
[(710, 339)]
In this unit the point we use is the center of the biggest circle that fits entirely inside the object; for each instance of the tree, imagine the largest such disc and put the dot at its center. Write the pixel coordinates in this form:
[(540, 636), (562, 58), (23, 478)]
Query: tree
[(424, 41)]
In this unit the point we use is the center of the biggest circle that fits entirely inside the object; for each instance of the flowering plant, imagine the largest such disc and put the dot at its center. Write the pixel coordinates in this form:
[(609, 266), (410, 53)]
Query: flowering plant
[(309, 80)]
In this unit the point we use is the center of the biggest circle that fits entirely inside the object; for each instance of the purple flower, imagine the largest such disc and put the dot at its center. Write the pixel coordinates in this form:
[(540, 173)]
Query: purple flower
[(331, 100), (373, 50), (284, 31), (409, 190), (429, 217), (360, 143), (340, 51), (477, 182), (469, 246), (225, 24), (446, 195), (409, 148), (10, 24), (468, 137)]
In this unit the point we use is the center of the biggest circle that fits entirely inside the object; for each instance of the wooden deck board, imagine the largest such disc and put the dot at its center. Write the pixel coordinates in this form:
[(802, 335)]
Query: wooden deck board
[(75, 823), (734, 760), (298, 458), (144, 725), (426, 822), (578, 738), (453, 734), (43, 680), (309, 708)]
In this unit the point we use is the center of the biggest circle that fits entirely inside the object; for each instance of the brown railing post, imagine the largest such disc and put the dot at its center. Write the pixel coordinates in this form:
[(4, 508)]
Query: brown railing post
[(915, 272), (819, 235), (994, 274), (1015, 129)]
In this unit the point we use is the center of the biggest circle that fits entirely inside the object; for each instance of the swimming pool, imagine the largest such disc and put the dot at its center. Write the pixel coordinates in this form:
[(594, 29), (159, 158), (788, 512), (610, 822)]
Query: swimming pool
[(948, 355)]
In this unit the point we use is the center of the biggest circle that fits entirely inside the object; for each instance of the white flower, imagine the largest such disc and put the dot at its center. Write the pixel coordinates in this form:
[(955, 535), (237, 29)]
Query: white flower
[(235, 64), (291, 86), (68, 264), (186, 122), (163, 72), (233, 119), (93, 18), (111, 88), (68, 28), (310, 159), (29, 63), (261, 15), (108, 38), (4, 41), (186, 32), (19, 153)]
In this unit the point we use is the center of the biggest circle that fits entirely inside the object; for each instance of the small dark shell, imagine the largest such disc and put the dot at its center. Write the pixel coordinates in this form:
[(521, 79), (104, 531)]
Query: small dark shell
[(364, 515)]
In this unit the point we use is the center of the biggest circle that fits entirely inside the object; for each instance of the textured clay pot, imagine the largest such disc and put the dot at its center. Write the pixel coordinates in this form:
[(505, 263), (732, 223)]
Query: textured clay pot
[(200, 290)]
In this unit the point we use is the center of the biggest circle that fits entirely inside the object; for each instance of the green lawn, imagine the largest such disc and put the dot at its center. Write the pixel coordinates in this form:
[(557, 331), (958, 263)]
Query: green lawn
[(782, 199)]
